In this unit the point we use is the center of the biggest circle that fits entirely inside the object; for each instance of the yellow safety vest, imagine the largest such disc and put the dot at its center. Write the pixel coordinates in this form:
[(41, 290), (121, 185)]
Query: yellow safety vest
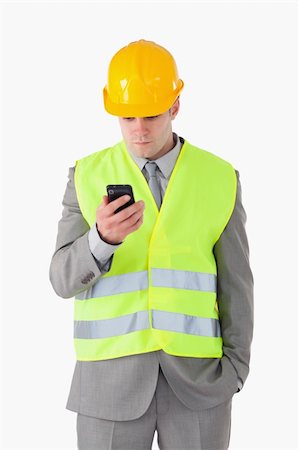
[(161, 290)]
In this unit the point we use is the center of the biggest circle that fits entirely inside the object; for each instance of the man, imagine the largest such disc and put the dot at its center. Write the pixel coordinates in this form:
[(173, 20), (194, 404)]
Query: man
[(163, 288)]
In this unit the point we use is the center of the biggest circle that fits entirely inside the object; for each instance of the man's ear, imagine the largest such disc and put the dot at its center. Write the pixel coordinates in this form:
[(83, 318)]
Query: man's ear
[(175, 108)]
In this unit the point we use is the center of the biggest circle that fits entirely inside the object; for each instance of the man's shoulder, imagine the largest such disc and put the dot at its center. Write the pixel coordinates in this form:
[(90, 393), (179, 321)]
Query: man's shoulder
[(209, 155), (97, 156)]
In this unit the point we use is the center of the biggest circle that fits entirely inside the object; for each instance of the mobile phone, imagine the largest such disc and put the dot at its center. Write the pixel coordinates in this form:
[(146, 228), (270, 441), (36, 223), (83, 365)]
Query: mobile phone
[(118, 190)]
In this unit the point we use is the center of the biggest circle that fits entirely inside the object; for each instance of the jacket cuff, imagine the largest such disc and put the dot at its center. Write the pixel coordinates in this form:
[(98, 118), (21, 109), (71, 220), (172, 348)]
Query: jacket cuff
[(239, 384)]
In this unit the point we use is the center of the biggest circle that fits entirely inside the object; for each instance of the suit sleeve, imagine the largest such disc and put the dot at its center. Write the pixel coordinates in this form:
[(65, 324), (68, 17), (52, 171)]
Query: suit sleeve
[(235, 289), (81, 257)]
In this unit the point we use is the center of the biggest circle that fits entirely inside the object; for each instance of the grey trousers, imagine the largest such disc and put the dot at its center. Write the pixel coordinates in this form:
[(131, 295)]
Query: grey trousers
[(178, 427)]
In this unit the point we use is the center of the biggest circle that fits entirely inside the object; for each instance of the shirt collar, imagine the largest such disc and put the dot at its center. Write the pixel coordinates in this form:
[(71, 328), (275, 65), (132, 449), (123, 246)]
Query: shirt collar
[(165, 162)]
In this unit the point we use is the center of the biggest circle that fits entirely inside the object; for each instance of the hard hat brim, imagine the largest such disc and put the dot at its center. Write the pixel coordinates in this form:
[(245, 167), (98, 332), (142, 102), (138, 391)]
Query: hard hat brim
[(126, 110)]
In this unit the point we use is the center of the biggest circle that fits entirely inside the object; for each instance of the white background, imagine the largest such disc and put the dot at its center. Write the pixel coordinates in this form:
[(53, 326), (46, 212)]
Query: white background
[(238, 62)]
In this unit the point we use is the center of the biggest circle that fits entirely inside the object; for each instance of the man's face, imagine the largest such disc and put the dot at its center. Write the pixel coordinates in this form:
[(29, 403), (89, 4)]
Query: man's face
[(149, 137)]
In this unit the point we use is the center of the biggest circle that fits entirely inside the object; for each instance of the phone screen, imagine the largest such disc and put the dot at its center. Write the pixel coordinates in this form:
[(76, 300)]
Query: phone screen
[(115, 191)]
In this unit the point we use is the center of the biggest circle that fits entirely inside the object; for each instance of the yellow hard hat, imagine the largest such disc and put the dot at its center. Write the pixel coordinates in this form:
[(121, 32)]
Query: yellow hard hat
[(142, 81)]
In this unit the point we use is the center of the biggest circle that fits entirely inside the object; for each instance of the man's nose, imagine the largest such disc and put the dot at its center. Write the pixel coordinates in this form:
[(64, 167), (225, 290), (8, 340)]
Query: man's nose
[(140, 125)]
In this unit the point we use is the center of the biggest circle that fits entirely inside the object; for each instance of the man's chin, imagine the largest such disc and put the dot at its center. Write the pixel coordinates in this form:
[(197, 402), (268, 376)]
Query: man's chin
[(143, 149)]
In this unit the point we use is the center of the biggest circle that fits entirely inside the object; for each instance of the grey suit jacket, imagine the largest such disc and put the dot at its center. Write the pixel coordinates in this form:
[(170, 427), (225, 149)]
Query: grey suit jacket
[(122, 388)]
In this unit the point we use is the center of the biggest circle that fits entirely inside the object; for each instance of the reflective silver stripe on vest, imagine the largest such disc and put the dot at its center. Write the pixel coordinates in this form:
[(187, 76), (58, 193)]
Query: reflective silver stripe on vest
[(135, 281), (184, 279), (182, 323), (117, 284), (95, 329)]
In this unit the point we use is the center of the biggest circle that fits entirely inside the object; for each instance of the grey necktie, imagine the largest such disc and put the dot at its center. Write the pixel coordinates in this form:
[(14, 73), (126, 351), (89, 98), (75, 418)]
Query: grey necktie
[(151, 168)]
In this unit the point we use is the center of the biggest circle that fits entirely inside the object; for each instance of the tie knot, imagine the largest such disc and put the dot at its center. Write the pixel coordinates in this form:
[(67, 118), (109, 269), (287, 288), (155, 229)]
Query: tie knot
[(151, 168)]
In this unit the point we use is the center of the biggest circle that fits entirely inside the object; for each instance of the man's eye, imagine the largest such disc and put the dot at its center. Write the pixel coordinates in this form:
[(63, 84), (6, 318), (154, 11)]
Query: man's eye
[(132, 118), (152, 117)]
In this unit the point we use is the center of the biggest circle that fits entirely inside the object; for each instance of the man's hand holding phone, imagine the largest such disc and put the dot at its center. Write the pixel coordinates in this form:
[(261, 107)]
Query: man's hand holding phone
[(114, 228)]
